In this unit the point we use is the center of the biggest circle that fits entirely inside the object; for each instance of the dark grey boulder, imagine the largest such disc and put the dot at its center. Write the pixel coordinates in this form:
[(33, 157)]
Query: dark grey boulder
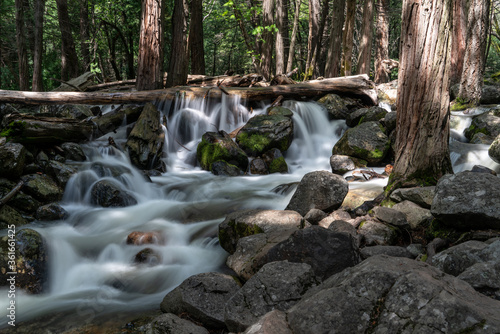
[(386, 294), (494, 150), (319, 190), (468, 200), (314, 216), (391, 216), (341, 226), (352, 119), (42, 187), (60, 172), (422, 196), (73, 151), (107, 193), (389, 121), (273, 322), (202, 297), (171, 324), (258, 166), (10, 216), (335, 105), (51, 211), (416, 215), (12, 160), (487, 123), (375, 233), (395, 251), (342, 164), (223, 168), (277, 286), (374, 114), (216, 146)]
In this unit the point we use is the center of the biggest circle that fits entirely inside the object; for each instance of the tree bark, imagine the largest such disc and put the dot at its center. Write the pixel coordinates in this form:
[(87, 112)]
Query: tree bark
[(382, 44), (422, 150), (459, 38), (280, 41), (37, 85), (266, 59), (293, 39), (347, 38), (196, 47), (150, 61), (474, 59), (313, 37), (178, 67), (22, 54), (84, 34), (69, 59), (365, 47), (332, 68)]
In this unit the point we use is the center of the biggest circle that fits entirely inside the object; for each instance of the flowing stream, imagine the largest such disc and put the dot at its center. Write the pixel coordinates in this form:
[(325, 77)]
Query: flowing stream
[(92, 269)]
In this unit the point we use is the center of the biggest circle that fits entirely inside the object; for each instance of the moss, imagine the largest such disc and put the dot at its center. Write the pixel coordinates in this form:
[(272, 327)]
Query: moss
[(255, 144), (14, 129), (437, 229), (424, 258), (208, 153), (388, 203), (460, 105), (278, 165)]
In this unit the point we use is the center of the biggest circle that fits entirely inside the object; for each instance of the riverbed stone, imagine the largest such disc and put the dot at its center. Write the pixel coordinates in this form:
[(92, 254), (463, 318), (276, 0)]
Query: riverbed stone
[(335, 105), (282, 111), (42, 187), (277, 286), (416, 215), (273, 322), (258, 166), (264, 132), (275, 161), (60, 172), (215, 146), (386, 294), (391, 216), (352, 119), (145, 141), (319, 190), (395, 251), (51, 211), (374, 114), (202, 297), (494, 150), (468, 200), (12, 160), (342, 164), (366, 141), (9, 216), (107, 193), (422, 196), (376, 233), (73, 151), (169, 323), (314, 216), (389, 121), (222, 168), (487, 123)]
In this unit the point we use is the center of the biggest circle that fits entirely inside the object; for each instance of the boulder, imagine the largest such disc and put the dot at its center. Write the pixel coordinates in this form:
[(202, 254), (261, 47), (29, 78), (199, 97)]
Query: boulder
[(12, 160), (282, 111), (386, 294), (483, 169), (481, 138), (353, 118), (314, 216), (264, 132), (374, 114), (326, 251), (9, 216), (483, 277), (277, 286), (145, 141), (395, 251), (342, 164), (490, 95), (389, 121), (248, 222), (223, 168), (107, 193), (273, 322), (468, 200), (341, 226), (494, 150), (422, 196), (275, 161), (60, 172), (486, 123), (42, 187), (319, 190), (145, 238), (335, 105), (171, 324), (390, 216), (258, 166), (103, 169), (52, 211), (148, 256), (415, 214), (367, 141), (73, 151), (215, 146), (202, 297), (376, 233)]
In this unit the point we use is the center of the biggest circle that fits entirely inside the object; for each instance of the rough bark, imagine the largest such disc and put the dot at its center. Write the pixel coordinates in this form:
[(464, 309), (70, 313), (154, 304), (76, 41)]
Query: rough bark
[(84, 34), (280, 42), (332, 68), (313, 37), (37, 82), (347, 38), (382, 43), (178, 67), (422, 151), (266, 59), (149, 67), (69, 59), (474, 59), (459, 37), (196, 47), (293, 38), (22, 54), (365, 47)]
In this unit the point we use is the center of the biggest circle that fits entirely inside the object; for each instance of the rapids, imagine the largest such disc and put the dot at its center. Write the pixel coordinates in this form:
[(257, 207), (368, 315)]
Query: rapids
[(92, 269)]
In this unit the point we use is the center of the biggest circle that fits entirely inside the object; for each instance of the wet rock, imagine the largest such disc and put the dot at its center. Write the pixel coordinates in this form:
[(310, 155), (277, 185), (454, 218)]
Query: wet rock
[(103, 169), (490, 95), (341, 226), (326, 251), (394, 251), (148, 256), (416, 249), (394, 295), (60, 172), (366, 141), (223, 168), (390, 216), (171, 324), (202, 297), (375, 233), (335, 105), (12, 160), (389, 121), (353, 118), (486, 123), (248, 222), (145, 238), (263, 132), (277, 286), (319, 190), (282, 111), (275, 161), (374, 114), (258, 166), (481, 138), (9, 216), (483, 169), (215, 146), (342, 164), (73, 151), (273, 322), (468, 200), (52, 211), (145, 142), (42, 187), (422, 196), (415, 214), (494, 150), (108, 194), (314, 216)]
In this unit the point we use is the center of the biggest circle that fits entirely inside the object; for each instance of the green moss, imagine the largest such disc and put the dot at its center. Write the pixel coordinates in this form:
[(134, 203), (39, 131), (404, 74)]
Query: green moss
[(278, 165), (388, 203), (254, 144), (208, 153), (14, 129), (424, 258), (460, 105), (438, 230)]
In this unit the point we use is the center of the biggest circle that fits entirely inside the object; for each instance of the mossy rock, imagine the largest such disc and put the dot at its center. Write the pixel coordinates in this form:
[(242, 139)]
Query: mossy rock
[(278, 165), (335, 105), (281, 111), (487, 123), (218, 146)]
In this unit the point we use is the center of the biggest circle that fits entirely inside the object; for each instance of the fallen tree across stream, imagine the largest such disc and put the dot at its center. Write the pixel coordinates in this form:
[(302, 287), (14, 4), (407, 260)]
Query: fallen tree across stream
[(358, 86)]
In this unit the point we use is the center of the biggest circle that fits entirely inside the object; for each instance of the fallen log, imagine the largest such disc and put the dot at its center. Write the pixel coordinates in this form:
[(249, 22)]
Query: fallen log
[(358, 86)]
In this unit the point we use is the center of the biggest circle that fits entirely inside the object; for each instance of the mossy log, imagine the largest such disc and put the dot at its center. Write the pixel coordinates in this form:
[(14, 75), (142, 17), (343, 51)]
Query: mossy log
[(358, 86)]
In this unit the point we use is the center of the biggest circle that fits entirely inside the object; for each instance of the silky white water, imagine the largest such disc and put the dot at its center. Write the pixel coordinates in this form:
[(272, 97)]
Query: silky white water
[(92, 269)]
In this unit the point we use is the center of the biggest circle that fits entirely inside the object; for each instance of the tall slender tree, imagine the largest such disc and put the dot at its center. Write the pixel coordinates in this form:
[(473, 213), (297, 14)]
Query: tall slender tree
[(178, 66), (280, 36), (365, 46), (293, 38), (382, 42), (69, 58), (196, 48), (313, 37), (266, 59), (22, 53), (37, 82), (347, 37), (422, 150), (332, 68)]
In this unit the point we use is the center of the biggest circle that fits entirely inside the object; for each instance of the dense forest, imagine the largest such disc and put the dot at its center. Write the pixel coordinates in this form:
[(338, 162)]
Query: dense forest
[(44, 42)]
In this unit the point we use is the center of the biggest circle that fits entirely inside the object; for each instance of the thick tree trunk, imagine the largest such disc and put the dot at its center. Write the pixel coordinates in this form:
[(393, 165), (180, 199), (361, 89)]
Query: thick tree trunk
[(365, 47), (196, 47), (69, 59), (22, 54), (84, 34), (359, 86), (459, 38), (332, 68), (37, 85), (178, 67), (422, 151), (347, 38), (382, 43), (474, 59), (280, 41), (293, 39), (313, 37), (150, 61), (266, 59)]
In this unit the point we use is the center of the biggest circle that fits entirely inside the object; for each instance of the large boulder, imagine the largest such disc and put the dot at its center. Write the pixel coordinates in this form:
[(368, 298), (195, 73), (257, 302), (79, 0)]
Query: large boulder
[(394, 295), (145, 142), (216, 146), (376, 233), (171, 324), (264, 132), (73, 151), (366, 141), (60, 172), (416, 215), (10, 216), (202, 297), (42, 187), (107, 193), (487, 123), (12, 160), (319, 190), (494, 150), (277, 286), (273, 322), (335, 105), (374, 114), (422, 196), (468, 200)]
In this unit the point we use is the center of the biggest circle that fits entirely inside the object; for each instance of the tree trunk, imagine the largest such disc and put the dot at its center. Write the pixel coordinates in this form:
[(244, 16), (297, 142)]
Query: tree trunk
[(382, 44), (293, 39), (332, 68), (150, 61), (474, 59), (251, 46), (266, 59), (422, 151), (69, 59), (37, 85), (313, 37), (347, 38), (22, 54), (458, 36), (280, 41), (365, 47), (84, 34), (178, 67), (196, 38)]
